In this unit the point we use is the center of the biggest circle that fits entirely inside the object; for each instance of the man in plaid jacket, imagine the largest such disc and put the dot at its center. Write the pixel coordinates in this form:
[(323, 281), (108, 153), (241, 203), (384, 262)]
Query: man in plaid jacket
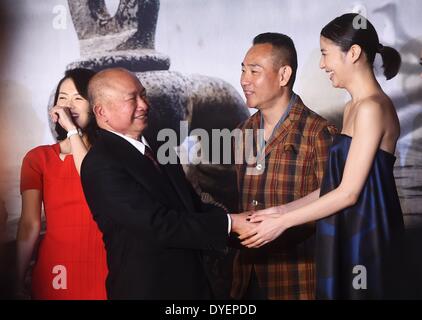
[(295, 149)]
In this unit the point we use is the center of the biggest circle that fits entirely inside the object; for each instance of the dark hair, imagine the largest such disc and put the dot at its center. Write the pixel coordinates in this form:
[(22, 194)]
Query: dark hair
[(347, 30), (80, 78), (284, 50)]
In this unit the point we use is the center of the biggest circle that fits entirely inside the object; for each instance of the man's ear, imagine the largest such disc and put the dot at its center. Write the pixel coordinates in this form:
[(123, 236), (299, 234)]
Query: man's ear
[(354, 53), (285, 73), (99, 112)]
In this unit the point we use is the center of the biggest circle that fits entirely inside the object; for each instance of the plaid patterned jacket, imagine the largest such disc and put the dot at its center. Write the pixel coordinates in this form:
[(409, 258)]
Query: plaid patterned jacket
[(294, 162)]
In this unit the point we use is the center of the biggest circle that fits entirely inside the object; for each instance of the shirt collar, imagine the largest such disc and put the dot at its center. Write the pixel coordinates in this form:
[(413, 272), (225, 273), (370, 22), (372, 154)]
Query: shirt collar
[(294, 115), (138, 144)]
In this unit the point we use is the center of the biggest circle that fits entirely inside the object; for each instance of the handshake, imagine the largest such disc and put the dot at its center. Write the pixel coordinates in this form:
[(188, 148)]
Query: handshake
[(257, 228)]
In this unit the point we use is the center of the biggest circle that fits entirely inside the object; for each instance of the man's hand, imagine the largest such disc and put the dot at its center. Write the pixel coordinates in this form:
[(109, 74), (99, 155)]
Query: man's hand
[(241, 223), (267, 228)]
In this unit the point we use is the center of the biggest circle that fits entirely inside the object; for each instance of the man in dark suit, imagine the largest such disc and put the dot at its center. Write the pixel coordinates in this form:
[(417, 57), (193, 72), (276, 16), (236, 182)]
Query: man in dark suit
[(153, 223)]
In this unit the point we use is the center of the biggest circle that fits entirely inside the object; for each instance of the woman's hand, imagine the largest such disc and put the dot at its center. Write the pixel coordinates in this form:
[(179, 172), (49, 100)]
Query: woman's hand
[(271, 226), (63, 116), (268, 211)]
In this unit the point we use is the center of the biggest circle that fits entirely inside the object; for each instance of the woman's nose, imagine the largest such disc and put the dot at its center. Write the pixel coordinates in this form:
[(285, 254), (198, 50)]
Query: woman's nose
[(321, 63)]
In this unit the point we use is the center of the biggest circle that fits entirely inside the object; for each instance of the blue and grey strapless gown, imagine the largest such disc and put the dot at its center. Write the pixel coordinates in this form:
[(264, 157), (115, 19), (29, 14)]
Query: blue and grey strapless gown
[(366, 234)]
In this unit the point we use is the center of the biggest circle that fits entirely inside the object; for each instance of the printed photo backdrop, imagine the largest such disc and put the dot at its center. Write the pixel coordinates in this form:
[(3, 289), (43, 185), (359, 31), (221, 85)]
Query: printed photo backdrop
[(188, 55)]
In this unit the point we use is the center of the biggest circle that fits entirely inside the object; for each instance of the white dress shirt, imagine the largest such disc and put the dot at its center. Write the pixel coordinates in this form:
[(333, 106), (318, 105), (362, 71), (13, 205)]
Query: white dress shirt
[(138, 144)]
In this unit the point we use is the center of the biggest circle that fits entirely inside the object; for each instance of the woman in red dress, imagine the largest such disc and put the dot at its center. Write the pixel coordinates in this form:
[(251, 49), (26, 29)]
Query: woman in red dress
[(71, 259)]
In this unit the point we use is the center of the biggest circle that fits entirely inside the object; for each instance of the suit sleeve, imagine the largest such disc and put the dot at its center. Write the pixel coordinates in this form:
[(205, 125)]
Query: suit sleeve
[(116, 199)]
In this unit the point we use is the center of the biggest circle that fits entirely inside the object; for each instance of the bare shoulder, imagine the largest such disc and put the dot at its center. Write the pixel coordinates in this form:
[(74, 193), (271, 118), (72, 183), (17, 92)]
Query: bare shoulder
[(377, 107), (379, 111), (368, 117), (371, 105)]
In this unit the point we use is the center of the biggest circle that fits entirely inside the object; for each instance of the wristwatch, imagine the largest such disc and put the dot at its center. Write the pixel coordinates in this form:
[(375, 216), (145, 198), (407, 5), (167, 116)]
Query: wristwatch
[(73, 132)]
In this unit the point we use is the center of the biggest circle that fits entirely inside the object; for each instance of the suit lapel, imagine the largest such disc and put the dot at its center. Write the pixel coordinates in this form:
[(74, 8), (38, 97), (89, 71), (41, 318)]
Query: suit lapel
[(144, 171), (139, 166), (281, 135), (178, 180), (286, 127)]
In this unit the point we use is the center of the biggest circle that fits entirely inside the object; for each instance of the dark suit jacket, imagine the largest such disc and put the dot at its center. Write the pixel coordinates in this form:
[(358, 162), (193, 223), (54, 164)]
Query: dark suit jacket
[(152, 230)]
